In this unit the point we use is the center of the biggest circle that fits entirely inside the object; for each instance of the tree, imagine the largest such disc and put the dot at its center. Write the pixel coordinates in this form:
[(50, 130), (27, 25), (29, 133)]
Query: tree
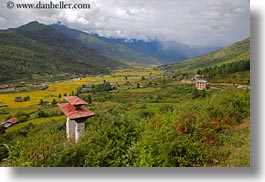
[(23, 118), (26, 98), (54, 102), (79, 90), (195, 93), (59, 96), (42, 114), (41, 102), (89, 99), (2, 129)]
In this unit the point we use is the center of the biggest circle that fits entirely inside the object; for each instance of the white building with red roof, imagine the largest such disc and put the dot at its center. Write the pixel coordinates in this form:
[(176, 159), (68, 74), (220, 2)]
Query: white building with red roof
[(76, 114)]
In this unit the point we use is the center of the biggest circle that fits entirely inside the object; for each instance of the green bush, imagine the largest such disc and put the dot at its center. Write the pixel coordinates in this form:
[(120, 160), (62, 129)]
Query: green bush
[(23, 118), (146, 113), (166, 108), (2, 130), (42, 114), (26, 98), (4, 153)]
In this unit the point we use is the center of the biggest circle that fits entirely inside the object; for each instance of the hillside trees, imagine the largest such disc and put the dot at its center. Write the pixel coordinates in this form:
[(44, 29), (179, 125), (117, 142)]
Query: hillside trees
[(225, 68)]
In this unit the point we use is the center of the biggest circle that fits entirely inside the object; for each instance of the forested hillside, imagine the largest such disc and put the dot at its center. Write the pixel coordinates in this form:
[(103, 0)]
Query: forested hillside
[(37, 49), (108, 47)]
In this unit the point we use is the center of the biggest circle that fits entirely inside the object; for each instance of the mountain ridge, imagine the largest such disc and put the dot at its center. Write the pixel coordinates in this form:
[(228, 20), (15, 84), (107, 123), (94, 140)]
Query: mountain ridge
[(35, 48), (138, 51), (108, 48)]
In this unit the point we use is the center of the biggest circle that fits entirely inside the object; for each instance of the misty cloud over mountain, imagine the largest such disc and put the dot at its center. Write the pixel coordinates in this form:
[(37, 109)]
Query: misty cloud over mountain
[(206, 23)]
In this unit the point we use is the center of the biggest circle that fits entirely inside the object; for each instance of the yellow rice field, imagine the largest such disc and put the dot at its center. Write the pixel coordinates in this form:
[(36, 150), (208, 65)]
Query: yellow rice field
[(68, 86)]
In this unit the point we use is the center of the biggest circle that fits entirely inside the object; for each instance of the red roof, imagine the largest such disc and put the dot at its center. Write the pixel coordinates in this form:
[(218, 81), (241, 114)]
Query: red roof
[(12, 120), (71, 112), (74, 100)]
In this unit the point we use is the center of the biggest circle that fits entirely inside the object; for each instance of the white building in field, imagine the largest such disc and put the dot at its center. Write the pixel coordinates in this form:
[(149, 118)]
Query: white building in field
[(201, 84)]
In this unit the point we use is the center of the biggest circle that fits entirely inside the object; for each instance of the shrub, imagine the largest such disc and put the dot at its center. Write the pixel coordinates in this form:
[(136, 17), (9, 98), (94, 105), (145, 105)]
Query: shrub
[(2, 129), (3, 152), (26, 98), (54, 102), (42, 114), (19, 114), (166, 108), (146, 114), (23, 118)]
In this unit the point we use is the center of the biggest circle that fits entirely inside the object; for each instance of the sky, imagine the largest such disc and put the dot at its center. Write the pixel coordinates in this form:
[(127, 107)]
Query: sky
[(192, 22)]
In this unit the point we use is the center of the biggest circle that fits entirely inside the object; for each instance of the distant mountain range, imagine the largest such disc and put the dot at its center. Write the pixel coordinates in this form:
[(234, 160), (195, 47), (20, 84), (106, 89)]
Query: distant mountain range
[(136, 51)]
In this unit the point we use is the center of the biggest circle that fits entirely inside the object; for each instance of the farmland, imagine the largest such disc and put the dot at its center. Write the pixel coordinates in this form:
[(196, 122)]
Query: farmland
[(10, 107)]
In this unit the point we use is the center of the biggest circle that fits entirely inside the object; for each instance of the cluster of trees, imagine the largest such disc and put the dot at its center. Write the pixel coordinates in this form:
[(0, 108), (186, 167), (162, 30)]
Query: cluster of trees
[(21, 99), (22, 116), (45, 114), (225, 69), (43, 102)]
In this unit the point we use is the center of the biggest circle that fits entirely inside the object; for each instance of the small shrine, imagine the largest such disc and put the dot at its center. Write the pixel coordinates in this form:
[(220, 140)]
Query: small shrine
[(77, 115)]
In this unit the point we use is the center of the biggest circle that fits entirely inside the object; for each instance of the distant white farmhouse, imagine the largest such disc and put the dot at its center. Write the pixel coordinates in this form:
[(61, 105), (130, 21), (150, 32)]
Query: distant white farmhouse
[(201, 84)]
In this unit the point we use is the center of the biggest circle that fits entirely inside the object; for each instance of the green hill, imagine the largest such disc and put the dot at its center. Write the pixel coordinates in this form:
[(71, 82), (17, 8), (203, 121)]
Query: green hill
[(239, 51), (37, 49)]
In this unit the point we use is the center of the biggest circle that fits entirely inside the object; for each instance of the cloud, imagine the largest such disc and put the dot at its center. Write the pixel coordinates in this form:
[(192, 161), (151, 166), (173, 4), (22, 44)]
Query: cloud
[(204, 22)]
